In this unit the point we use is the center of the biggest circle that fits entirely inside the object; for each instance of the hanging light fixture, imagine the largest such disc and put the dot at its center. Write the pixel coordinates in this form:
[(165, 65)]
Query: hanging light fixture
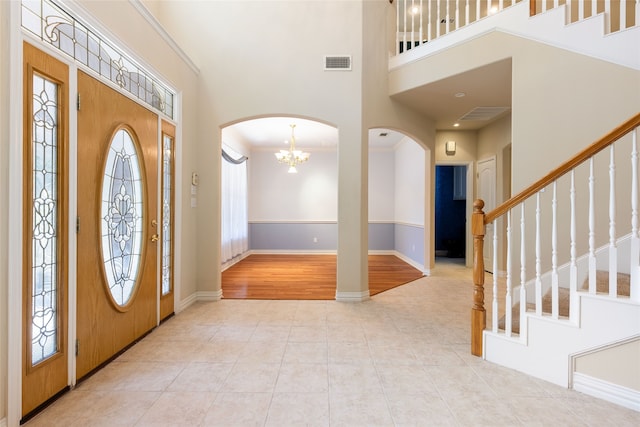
[(292, 157)]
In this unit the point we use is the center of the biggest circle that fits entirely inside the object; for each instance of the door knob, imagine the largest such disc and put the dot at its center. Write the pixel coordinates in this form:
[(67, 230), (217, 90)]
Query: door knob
[(155, 238)]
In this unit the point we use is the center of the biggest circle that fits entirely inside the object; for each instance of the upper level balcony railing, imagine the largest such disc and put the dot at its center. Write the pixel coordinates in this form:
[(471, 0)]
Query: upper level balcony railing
[(421, 21)]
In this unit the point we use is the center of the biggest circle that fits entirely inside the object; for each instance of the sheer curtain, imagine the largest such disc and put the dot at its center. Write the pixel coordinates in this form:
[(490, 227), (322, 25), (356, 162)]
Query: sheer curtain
[(235, 233)]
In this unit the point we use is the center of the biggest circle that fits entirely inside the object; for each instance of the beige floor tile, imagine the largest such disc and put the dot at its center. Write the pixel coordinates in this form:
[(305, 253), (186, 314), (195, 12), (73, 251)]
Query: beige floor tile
[(262, 352), (406, 380), (201, 377), (302, 378), (348, 352), (252, 378), (359, 409), (305, 352), (238, 409), (417, 410), (186, 409), (299, 409), (354, 378), (308, 333)]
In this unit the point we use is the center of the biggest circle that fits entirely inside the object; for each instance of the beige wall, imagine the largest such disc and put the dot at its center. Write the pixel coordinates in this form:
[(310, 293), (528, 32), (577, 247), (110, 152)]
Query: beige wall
[(466, 146), (618, 365), (562, 101)]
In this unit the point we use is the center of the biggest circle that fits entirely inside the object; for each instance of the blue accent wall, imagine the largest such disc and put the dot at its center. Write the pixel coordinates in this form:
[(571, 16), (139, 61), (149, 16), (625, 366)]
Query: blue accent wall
[(299, 236), (409, 241), (449, 215)]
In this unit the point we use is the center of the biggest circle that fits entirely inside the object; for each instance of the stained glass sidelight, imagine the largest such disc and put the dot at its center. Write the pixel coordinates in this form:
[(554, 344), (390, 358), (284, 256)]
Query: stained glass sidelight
[(44, 246), (122, 217), (167, 166)]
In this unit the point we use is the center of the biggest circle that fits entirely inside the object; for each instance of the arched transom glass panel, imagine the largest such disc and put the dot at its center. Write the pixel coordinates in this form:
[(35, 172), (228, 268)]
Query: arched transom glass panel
[(122, 217)]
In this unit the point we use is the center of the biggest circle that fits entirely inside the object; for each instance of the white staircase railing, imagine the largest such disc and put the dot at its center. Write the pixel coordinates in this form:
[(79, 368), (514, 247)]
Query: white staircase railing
[(598, 217), (422, 21)]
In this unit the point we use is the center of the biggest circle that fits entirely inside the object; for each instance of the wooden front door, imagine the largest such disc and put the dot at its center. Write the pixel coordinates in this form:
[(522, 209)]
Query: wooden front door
[(118, 227), (45, 254)]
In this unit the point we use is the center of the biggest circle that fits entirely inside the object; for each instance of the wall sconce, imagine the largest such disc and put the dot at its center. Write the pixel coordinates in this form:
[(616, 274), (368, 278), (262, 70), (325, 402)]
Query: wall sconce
[(450, 148)]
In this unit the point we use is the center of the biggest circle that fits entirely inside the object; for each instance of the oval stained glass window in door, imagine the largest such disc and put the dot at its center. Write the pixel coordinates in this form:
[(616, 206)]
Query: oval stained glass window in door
[(122, 217)]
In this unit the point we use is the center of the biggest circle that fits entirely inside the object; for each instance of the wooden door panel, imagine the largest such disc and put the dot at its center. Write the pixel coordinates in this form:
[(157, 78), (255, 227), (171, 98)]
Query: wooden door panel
[(103, 327)]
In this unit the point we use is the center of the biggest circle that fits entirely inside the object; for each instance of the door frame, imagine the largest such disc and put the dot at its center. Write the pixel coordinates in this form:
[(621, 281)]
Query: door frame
[(471, 170), (14, 294)]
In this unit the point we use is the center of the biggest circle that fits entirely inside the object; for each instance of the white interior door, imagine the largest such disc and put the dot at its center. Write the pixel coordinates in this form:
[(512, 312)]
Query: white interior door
[(487, 192)]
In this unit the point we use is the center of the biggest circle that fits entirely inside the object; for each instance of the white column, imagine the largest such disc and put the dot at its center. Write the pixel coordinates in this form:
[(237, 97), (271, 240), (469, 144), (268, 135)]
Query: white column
[(573, 268)]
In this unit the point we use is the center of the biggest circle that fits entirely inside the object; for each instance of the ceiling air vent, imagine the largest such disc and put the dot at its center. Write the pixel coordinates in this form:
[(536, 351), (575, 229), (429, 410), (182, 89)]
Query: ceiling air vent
[(483, 113), (337, 62)]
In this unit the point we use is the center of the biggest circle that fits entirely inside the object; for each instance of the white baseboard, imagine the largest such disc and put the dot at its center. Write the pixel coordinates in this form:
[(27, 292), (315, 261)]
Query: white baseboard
[(352, 296), (605, 390), (3, 422), (198, 296)]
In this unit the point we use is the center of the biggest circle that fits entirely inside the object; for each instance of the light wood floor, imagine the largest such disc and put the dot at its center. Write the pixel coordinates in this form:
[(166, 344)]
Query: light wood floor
[(306, 277)]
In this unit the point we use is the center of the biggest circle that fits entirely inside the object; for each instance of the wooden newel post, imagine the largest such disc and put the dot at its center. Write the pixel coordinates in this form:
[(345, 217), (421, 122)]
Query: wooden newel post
[(478, 313)]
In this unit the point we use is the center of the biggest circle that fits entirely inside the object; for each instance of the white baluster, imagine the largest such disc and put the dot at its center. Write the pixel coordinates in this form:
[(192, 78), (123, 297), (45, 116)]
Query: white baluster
[(573, 269), (413, 25), (501, 5), (508, 299), (478, 10), (637, 20), (592, 233), (554, 253), (623, 15), (523, 278), (467, 12), (594, 8), (556, 3), (613, 250), (448, 18), (421, 41), (488, 7), (538, 288), (457, 17), (568, 8), (438, 19), (404, 33), (635, 238), (429, 21), (544, 5), (495, 277), (580, 10), (607, 16)]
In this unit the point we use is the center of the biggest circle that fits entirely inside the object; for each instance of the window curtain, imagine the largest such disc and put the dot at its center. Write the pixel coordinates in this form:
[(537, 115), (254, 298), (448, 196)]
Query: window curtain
[(235, 228)]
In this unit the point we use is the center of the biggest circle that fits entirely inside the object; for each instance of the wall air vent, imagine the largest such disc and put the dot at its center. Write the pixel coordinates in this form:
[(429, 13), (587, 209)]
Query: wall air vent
[(483, 113), (337, 62)]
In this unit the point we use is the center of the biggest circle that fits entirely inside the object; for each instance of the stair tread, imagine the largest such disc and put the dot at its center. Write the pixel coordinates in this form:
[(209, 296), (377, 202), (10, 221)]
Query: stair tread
[(602, 287)]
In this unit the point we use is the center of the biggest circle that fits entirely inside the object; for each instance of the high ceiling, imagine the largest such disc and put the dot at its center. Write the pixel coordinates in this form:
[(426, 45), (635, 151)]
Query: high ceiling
[(472, 99)]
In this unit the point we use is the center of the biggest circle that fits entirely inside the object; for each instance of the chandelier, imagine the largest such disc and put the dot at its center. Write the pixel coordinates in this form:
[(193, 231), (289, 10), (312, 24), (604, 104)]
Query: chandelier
[(292, 157)]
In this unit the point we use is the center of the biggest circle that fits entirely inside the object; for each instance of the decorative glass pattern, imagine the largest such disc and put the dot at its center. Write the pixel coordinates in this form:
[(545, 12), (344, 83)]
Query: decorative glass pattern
[(167, 177), (44, 244), (122, 217), (53, 25)]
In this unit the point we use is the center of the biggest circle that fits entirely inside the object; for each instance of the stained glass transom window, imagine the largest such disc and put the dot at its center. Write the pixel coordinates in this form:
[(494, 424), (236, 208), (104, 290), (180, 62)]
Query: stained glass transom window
[(167, 156), (44, 269), (122, 217), (51, 24)]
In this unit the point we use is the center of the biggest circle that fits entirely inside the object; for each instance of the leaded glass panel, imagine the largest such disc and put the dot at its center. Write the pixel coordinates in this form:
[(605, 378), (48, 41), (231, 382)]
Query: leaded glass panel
[(44, 244), (167, 158), (122, 217), (51, 24)]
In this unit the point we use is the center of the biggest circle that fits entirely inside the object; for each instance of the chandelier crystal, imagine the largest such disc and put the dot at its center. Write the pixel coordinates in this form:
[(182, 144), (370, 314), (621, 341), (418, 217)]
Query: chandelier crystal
[(292, 157)]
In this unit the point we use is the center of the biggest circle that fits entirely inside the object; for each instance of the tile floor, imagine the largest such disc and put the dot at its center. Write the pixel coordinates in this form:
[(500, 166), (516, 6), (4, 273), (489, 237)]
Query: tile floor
[(400, 359)]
